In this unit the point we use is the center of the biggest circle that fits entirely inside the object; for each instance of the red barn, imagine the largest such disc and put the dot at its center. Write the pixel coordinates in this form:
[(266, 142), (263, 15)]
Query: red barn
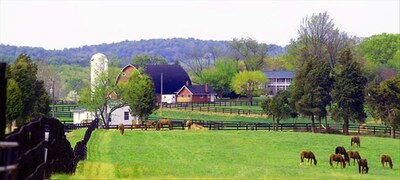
[(196, 93)]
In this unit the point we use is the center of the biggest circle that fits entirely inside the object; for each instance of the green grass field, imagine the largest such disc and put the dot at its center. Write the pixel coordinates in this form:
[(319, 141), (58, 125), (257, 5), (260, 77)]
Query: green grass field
[(224, 155)]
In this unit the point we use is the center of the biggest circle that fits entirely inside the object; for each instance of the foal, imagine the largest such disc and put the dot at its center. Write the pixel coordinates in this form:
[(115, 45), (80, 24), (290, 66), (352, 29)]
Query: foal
[(355, 140), (308, 155), (338, 158), (363, 166), (385, 159), (121, 128)]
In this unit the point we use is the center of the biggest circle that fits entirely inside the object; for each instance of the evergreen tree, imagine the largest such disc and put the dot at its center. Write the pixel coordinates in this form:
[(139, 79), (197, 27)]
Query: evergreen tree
[(348, 92), (311, 89), (278, 107), (13, 103)]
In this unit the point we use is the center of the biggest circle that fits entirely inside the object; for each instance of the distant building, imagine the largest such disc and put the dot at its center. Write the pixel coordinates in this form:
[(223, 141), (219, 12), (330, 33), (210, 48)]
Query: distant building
[(278, 80), (196, 93)]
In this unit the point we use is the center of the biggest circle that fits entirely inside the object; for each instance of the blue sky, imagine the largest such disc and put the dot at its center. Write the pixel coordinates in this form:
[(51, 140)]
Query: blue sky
[(66, 24)]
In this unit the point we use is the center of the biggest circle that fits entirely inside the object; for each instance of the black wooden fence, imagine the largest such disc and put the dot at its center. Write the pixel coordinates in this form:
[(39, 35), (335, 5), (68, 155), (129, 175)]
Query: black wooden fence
[(39, 148)]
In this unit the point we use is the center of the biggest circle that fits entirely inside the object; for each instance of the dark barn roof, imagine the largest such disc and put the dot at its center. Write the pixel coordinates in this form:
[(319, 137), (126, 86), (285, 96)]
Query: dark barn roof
[(279, 74), (200, 89), (174, 77)]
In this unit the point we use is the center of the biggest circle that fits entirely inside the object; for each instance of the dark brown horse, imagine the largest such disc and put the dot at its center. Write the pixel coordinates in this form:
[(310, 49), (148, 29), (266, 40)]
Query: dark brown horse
[(149, 124), (163, 122), (353, 155), (363, 166), (308, 155), (385, 159), (341, 150), (355, 140), (338, 158)]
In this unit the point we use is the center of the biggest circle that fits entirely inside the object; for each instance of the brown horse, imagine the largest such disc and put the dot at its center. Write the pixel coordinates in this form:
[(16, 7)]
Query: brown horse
[(353, 155), (338, 158), (385, 159), (149, 124), (163, 122), (121, 128), (308, 155), (355, 140), (363, 166)]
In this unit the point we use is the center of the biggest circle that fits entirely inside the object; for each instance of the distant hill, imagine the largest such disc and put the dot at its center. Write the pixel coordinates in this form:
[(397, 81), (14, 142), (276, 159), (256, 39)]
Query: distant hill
[(171, 49)]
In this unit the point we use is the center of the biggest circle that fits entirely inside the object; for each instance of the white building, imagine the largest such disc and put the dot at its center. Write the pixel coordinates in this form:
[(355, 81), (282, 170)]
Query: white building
[(278, 80)]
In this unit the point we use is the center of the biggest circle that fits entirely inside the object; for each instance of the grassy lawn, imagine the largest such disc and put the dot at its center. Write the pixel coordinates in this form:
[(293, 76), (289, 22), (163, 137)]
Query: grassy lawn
[(225, 155)]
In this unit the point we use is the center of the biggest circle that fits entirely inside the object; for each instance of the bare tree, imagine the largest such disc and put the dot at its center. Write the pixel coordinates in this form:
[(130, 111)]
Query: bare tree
[(250, 52)]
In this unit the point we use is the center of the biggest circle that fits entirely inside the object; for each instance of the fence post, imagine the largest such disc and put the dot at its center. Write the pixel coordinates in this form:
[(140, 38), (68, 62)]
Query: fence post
[(237, 126), (269, 127), (374, 130), (281, 127), (307, 127)]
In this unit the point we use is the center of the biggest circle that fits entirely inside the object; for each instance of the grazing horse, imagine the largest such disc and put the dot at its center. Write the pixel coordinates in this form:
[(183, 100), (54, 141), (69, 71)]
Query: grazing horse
[(121, 128), (385, 159), (341, 150), (355, 140), (308, 155), (149, 124), (353, 155), (163, 122), (338, 158), (363, 166)]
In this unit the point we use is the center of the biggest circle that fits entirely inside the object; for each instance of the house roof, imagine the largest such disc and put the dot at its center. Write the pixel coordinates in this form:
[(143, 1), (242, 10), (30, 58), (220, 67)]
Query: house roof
[(279, 74), (174, 77), (199, 89)]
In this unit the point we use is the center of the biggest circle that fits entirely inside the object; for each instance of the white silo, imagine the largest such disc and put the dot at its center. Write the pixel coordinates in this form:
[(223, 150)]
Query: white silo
[(98, 64)]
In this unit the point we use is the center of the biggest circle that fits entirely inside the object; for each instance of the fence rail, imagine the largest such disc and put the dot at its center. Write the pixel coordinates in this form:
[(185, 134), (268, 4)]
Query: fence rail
[(42, 148), (179, 124)]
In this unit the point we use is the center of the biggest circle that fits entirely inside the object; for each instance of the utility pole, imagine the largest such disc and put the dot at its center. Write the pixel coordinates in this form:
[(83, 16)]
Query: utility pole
[(161, 94), (52, 99)]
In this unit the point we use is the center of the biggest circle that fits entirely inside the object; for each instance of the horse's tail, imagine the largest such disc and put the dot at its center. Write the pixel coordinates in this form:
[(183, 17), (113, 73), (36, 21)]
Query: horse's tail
[(330, 160), (359, 157)]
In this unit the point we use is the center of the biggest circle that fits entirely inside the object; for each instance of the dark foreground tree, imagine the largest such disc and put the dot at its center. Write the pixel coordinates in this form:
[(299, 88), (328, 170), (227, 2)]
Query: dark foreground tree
[(348, 92), (13, 103)]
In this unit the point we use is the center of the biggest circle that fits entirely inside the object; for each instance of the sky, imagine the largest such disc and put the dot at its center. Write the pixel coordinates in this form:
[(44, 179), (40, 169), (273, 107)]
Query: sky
[(59, 24)]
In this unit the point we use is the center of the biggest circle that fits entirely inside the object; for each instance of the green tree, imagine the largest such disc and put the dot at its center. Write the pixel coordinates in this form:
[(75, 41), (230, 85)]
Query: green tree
[(381, 48), (140, 95), (249, 83), (220, 76), (24, 72), (278, 106), (251, 52), (102, 96), (13, 103), (311, 89), (348, 92), (383, 101), (144, 59)]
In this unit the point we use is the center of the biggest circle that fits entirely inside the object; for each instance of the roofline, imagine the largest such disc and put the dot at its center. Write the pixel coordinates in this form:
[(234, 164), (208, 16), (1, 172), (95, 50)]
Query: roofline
[(122, 70), (184, 86)]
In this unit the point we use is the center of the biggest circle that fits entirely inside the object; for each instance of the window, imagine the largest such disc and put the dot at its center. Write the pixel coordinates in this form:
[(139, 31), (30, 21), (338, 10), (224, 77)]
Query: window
[(126, 115)]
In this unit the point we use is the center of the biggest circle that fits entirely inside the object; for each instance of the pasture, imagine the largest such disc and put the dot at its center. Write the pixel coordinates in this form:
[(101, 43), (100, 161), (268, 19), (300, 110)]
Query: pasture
[(225, 155)]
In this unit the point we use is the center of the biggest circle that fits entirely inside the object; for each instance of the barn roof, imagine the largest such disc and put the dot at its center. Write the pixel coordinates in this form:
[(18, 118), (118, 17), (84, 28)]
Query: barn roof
[(199, 89), (279, 74), (174, 77)]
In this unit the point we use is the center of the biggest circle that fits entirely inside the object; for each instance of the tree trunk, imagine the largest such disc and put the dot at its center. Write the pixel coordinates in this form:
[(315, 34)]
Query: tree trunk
[(320, 123), (346, 126), (312, 123), (250, 98), (393, 134)]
